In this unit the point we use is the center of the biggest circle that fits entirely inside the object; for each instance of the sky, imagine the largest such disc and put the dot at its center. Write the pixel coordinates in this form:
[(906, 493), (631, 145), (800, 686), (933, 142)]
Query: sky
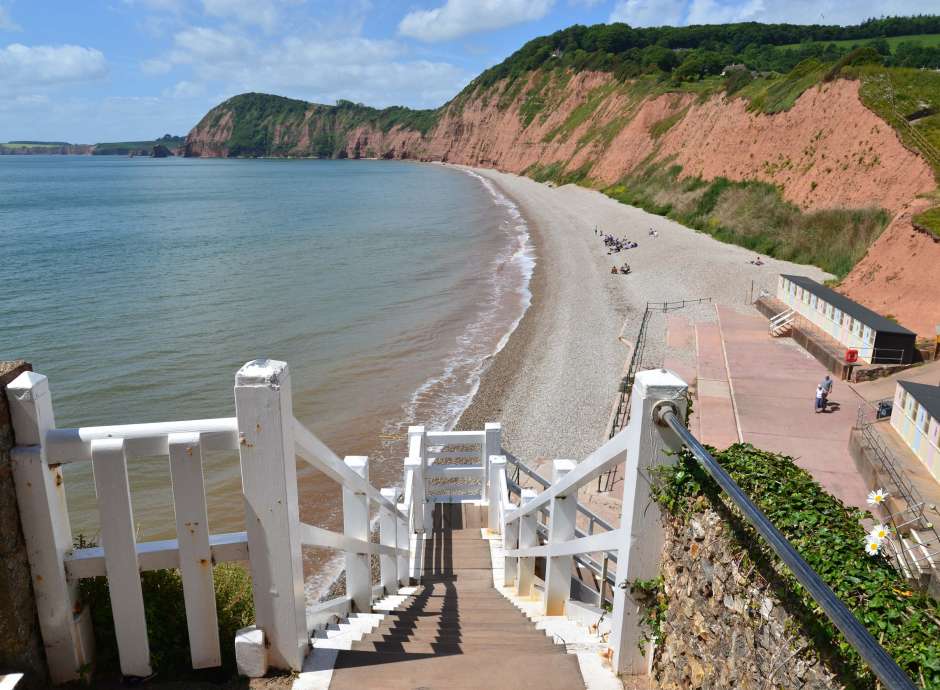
[(86, 71)]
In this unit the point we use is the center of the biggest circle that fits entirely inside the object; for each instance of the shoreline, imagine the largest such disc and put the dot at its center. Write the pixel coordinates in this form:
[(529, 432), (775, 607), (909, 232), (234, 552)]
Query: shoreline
[(497, 376), (554, 381)]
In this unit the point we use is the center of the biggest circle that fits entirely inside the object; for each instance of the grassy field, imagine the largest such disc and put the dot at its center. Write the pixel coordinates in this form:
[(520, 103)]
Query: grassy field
[(41, 145), (893, 41)]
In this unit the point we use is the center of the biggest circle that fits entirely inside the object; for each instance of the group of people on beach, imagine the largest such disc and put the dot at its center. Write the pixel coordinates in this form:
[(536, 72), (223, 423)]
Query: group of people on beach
[(822, 394), (615, 244)]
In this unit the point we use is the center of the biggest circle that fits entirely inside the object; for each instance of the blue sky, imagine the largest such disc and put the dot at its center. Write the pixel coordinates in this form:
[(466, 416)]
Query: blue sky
[(88, 70)]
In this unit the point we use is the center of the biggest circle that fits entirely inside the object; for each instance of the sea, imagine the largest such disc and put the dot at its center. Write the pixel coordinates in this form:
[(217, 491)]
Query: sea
[(139, 287)]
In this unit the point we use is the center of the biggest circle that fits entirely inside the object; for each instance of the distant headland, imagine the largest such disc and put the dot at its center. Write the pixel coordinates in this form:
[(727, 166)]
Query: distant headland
[(167, 145)]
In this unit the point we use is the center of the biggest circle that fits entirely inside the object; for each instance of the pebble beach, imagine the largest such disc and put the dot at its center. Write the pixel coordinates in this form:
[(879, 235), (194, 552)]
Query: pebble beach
[(553, 384)]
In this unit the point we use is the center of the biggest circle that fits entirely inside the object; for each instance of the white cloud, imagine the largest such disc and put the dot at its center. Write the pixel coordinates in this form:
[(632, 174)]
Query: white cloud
[(159, 5), (45, 65), (6, 21), (263, 13), (375, 72), (155, 67), (649, 12), (200, 44), (185, 89), (681, 12), (460, 17)]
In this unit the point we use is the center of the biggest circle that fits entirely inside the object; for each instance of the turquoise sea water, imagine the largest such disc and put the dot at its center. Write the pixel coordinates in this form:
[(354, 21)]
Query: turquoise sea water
[(140, 286)]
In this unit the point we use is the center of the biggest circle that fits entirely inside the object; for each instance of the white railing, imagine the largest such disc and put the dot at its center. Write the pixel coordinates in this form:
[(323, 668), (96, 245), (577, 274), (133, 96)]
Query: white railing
[(781, 321), (637, 542), (267, 438)]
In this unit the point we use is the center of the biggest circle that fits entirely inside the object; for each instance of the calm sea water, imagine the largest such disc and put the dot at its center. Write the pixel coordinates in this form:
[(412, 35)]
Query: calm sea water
[(140, 286)]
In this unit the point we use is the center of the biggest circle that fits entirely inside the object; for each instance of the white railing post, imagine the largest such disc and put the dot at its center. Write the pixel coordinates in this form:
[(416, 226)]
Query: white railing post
[(495, 500), (404, 542), (388, 536), (40, 492), (272, 519), (418, 449), (528, 536), (192, 534), (109, 461), (356, 525), (510, 563), (492, 445), (639, 553), (561, 528)]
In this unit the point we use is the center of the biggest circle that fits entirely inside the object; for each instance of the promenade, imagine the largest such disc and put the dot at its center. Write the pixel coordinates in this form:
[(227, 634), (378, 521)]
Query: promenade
[(760, 390)]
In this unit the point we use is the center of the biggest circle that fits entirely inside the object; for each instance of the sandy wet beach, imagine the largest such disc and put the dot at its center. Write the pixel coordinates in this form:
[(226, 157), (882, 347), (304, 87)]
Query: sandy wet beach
[(553, 384)]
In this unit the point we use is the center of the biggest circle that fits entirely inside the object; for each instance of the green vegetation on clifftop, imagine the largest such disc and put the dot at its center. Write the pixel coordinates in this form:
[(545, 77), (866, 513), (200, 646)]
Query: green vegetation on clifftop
[(267, 125)]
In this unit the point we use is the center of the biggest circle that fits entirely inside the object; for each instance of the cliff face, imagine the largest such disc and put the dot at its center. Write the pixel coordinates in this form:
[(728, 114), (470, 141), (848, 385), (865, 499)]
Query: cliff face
[(827, 151)]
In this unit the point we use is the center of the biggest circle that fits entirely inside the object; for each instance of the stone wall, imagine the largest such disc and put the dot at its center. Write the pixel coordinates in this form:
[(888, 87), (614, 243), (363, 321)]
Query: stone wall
[(20, 642), (724, 627)]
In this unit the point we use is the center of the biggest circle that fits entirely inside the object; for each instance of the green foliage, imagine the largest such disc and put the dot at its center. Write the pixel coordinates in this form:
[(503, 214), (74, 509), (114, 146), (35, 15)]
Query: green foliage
[(265, 125), (754, 215), (779, 94), (699, 64), (737, 80), (629, 52), (166, 619), (930, 219), (123, 148), (651, 595), (829, 536), (866, 55), (908, 99), (585, 110), (660, 128)]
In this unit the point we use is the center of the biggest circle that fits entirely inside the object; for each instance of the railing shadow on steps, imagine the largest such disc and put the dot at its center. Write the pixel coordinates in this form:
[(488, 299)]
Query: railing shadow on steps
[(268, 439)]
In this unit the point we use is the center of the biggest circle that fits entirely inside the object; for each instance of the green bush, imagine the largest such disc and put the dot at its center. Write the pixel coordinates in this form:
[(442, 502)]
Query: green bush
[(166, 619), (829, 536)]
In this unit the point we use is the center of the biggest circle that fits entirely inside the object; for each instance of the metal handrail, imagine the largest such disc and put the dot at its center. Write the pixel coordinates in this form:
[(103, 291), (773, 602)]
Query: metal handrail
[(857, 635)]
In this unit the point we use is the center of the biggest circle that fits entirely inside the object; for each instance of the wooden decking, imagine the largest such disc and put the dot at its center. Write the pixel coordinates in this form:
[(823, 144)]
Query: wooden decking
[(457, 631)]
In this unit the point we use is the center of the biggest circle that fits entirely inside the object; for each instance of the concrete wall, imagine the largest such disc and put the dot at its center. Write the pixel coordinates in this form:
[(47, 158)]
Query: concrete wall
[(20, 642)]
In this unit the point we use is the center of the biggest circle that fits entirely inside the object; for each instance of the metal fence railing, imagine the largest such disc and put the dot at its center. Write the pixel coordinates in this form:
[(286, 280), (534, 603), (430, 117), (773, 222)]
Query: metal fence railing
[(917, 541)]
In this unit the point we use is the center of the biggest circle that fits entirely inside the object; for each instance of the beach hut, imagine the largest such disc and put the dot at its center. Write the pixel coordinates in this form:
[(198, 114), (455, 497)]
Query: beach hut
[(876, 339), (916, 418)]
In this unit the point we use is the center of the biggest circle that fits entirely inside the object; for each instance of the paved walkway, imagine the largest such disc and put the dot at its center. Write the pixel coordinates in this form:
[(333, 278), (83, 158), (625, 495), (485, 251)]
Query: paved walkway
[(772, 383), (457, 631)]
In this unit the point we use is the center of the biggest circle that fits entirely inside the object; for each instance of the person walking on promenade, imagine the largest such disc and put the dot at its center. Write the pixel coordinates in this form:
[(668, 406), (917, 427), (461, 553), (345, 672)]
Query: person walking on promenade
[(820, 399), (826, 385)]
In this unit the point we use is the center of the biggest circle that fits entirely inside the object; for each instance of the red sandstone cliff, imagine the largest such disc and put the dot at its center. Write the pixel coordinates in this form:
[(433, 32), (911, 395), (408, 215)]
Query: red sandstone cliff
[(827, 151)]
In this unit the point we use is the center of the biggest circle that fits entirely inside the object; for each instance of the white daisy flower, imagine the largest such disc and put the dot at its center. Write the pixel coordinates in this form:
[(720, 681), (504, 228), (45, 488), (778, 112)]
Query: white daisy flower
[(879, 532), (872, 547), (877, 497)]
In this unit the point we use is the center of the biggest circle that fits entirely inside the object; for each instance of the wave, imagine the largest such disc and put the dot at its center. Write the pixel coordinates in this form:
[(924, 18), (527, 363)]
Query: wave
[(441, 399)]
